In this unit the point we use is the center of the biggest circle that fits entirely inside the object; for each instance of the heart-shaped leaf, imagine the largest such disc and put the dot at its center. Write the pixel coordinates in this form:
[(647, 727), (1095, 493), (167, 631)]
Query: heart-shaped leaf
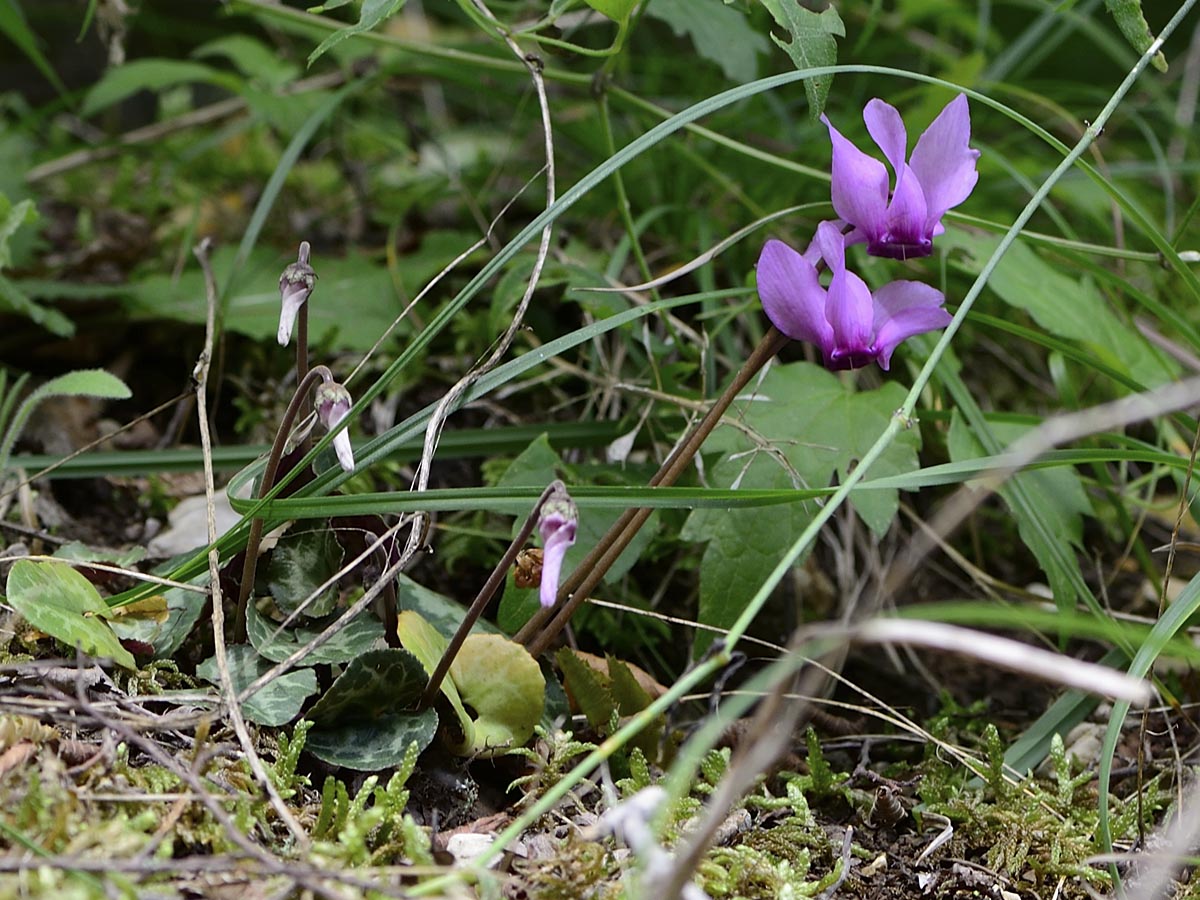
[(371, 746), (302, 562), (364, 633), (278, 702), (501, 682), (374, 685)]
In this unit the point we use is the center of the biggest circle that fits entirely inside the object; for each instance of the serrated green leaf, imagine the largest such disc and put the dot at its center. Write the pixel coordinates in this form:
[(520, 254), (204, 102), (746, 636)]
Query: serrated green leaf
[(503, 686), (812, 44), (276, 703), (303, 560), (151, 75), (372, 13), (378, 683), (1133, 25), (1064, 306), (719, 33), (375, 745), (585, 686), (818, 428), (57, 600), (364, 633)]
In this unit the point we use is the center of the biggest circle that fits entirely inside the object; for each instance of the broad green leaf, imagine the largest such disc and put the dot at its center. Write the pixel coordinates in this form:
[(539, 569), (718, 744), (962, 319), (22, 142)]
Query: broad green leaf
[(439, 611), (375, 684), (253, 58), (501, 683), (1132, 23), (816, 428), (57, 600), (1061, 304), (82, 383), (353, 304), (372, 13), (370, 746), (364, 633), (151, 75), (426, 643), (617, 10), (537, 466), (812, 44), (277, 702), (304, 559), (85, 383), (719, 32), (1056, 495)]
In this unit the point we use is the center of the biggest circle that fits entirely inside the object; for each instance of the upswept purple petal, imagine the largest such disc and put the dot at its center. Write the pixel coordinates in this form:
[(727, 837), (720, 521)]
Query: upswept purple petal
[(558, 535), (791, 295), (887, 130), (943, 161), (904, 309), (859, 187)]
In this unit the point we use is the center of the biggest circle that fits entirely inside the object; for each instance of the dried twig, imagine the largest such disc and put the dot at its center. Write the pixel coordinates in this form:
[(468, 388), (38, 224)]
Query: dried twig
[(200, 375)]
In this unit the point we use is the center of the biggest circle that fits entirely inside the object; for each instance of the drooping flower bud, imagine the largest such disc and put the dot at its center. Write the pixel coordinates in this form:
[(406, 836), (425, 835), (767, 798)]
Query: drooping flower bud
[(295, 284), (556, 525), (333, 403)]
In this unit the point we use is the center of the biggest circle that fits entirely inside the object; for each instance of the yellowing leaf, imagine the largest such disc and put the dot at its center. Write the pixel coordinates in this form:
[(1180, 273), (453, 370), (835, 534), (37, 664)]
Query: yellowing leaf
[(502, 683)]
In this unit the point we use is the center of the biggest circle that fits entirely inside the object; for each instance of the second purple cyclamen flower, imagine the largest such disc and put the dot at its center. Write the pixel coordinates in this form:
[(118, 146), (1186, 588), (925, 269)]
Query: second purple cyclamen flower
[(938, 176), (851, 326)]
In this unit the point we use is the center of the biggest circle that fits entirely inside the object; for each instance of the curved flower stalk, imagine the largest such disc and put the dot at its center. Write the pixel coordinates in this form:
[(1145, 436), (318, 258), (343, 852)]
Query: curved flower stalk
[(852, 326), (333, 403), (556, 526), (938, 176)]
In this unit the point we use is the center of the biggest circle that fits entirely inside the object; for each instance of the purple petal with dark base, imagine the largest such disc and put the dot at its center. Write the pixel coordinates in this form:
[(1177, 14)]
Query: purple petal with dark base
[(791, 295), (943, 161)]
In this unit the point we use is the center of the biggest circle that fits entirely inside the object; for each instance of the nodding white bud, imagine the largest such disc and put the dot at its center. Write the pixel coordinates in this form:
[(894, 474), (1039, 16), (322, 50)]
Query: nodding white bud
[(333, 403), (295, 284)]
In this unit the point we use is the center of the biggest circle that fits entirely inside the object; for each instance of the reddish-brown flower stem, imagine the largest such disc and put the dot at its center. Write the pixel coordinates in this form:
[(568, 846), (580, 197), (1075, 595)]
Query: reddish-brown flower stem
[(579, 585), (485, 594), (250, 565)]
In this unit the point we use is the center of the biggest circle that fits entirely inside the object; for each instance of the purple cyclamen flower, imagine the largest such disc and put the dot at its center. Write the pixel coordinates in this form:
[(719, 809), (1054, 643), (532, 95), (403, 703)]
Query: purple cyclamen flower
[(851, 325), (333, 404), (939, 175), (556, 525), (295, 284)]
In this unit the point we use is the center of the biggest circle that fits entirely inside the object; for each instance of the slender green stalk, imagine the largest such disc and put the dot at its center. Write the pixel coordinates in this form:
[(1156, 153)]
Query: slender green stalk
[(254, 540)]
